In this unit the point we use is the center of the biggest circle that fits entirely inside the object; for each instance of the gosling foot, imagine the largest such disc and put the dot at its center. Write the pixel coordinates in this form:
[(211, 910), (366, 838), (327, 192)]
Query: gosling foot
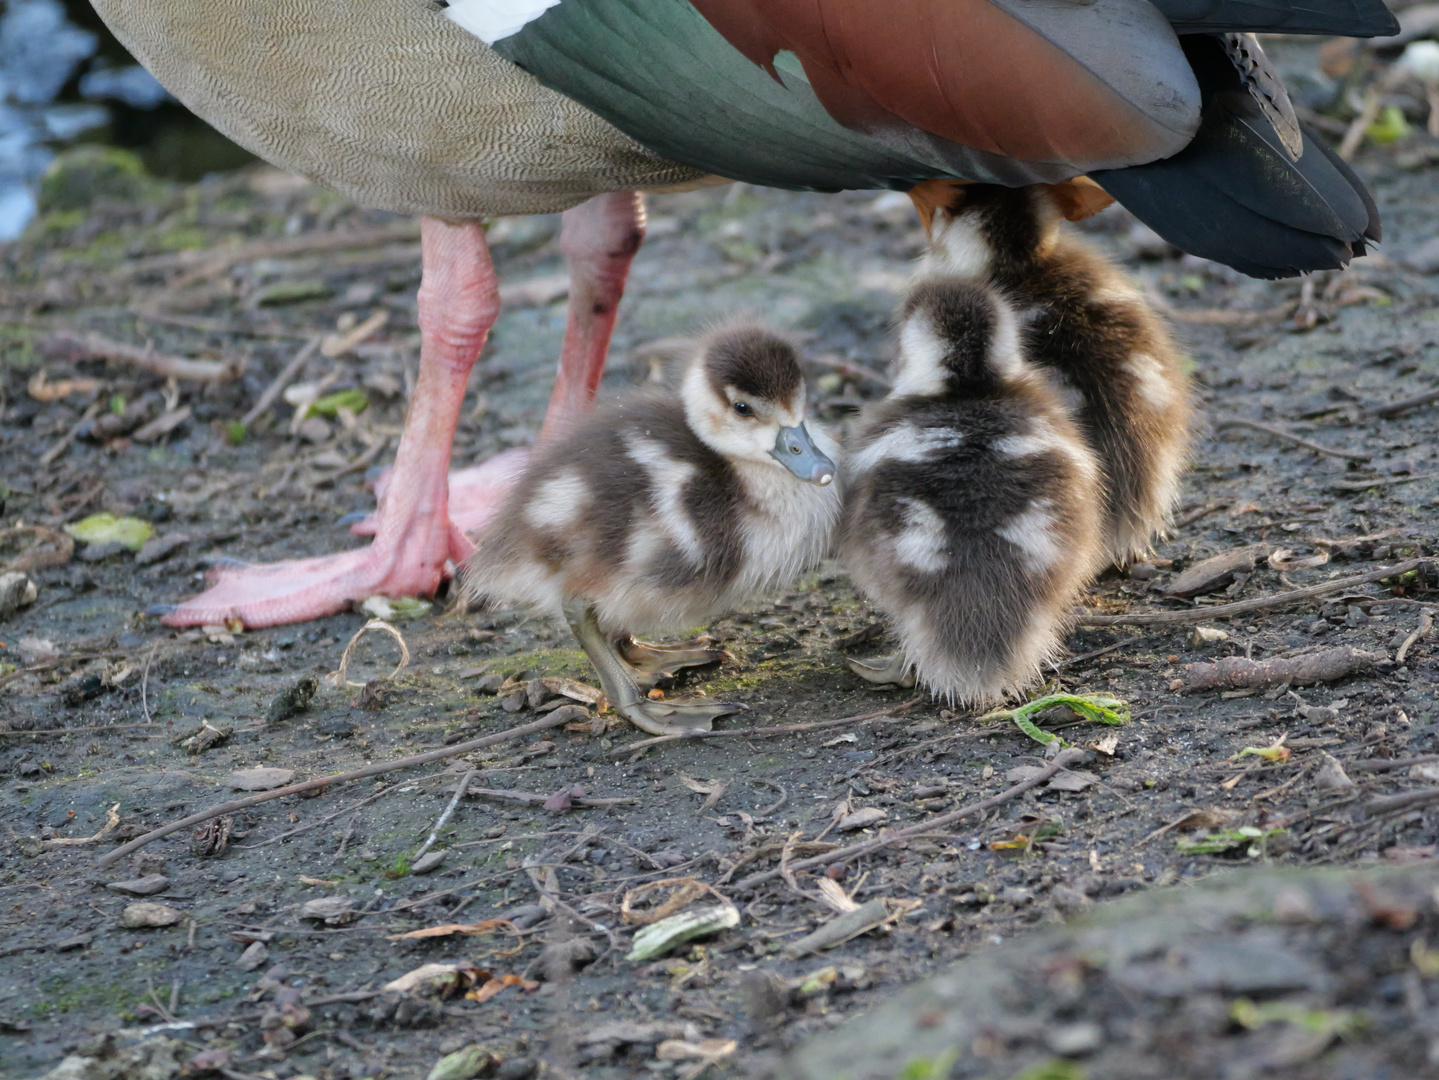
[(886, 670), (651, 663), (676, 718)]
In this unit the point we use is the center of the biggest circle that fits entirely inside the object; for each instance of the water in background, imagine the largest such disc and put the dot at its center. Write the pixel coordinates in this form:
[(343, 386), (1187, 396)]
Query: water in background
[(65, 79)]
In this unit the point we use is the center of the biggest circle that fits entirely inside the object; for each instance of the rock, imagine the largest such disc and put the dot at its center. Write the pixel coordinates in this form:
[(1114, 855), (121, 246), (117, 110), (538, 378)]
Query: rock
[(333, 910), (79, 177), (462, 1064), (1069, 902), (160, 547), (71, 942), (255, 954), (147, 913), (1201, 636), (862, 819), (1075, 1040), (148, 885), (1331, 775), (428, 862), (16, 591), (1216, 572), (295, 698), (261, 779), (106, 549)]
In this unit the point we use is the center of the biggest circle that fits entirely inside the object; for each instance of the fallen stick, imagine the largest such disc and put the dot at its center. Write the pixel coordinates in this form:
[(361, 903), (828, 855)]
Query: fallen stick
[(1388, 764), (1389, 803), (325, 781), (449, 810), (894, 836), (759, 733), (1237, 672), (1288, 436), (1394, 408), (322, 821), (63, 442), (531, 797), (1247, 607), (97, 347), (1426, 621)]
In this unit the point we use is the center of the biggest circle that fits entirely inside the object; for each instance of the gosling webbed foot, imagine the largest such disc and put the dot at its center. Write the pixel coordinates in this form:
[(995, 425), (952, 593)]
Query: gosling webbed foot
[(650, 663), (886, 670), (676, 718)]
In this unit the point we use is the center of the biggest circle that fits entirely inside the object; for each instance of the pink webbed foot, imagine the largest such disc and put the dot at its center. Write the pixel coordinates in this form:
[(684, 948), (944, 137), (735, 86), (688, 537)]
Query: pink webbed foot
[(301, 589), (476, 493)]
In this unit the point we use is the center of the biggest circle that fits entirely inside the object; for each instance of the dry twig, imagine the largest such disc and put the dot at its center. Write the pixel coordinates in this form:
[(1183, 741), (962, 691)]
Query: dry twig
[(98, 347), (277, 385), (1289, 436), (1247, 607), (781, 729), (895, 836), (325, 781)]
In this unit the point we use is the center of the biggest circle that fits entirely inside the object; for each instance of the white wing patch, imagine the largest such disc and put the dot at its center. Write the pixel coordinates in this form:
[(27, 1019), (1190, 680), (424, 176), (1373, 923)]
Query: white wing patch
[(558, 502), (495, 20), (904, 442), (1153, 386), (669, 479), (1042, 438), (921, 351), (923, 545), (956, 249), (1031, 532)]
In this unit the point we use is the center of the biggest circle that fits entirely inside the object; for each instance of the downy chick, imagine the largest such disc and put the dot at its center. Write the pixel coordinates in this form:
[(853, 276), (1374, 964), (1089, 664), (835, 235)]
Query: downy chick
[(1109, 352), (660, 511), (971, 511)]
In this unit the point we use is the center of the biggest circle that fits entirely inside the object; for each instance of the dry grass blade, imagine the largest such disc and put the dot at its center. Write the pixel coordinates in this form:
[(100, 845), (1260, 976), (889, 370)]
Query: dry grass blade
[(337, 677)]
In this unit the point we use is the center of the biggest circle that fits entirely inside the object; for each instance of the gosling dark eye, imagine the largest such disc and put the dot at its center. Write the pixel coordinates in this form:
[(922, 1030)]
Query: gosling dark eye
[(743, 409)]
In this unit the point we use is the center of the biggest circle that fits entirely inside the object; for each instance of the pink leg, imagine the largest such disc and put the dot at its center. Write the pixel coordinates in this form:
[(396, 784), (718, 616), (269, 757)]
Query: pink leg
[(423, 514), (459, 300), (599, 239)]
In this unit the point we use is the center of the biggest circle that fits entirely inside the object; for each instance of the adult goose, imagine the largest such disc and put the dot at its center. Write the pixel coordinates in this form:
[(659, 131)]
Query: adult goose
[(492, 107)]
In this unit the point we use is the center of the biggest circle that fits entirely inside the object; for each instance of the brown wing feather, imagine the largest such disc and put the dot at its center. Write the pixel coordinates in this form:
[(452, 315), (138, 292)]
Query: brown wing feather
[(965, 70)]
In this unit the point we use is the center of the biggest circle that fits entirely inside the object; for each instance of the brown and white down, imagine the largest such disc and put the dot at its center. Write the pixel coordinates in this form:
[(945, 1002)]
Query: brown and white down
[(658, 511), (971, 512), (1110, 354)]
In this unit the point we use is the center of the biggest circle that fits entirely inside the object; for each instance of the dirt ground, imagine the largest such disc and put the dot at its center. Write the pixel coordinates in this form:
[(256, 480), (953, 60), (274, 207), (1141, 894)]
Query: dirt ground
[(96, 697)]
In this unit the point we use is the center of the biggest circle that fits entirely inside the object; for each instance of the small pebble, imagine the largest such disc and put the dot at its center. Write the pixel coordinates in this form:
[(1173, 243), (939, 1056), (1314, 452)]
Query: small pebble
[(427, 862), (253, 956), (148, 885)]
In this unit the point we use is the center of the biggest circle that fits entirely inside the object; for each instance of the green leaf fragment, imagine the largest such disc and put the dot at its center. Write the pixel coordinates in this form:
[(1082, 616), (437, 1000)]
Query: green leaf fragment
[(462, 1064), (1217, 843), (935, 1068), (1390, 127), (660, 937), (353, 399), (108, 529), (395, 609), (1098, 708)]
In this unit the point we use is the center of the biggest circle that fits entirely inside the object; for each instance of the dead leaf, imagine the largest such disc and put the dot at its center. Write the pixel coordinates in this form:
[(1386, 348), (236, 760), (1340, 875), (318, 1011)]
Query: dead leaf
[(1282, 560), (1216, 572), (42, 390), (862, 818), (684, 891), (713, 789), (484, 926), (494, 985), (575, 691), (441, 979), (1106, 745), (112, 819), (305, 879)]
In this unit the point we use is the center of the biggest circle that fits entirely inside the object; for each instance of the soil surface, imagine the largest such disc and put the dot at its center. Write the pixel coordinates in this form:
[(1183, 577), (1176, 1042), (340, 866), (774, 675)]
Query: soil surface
[(99, 703)]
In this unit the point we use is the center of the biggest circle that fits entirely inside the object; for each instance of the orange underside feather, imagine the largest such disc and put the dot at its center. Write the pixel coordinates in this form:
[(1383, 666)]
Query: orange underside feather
[(964, 70)]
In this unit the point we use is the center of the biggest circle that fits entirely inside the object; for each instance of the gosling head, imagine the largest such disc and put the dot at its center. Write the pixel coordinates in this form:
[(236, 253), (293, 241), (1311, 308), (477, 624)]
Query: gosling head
[(744, 397), (956, 336)]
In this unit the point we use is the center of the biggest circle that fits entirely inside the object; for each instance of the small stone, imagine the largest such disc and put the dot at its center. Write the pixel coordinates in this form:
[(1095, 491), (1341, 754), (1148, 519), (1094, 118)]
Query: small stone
[(1331, 775), (514, 702), (148, 885), (333, 910), (16, 591), (1069, 902), (295, 698), (862, 819), (462, 1064), (106, 550), (254, 955), (427, 862), (1075, 1040), (73, 942), (261, 779), (157, 548), (316, 429), (147, 913), (1207, 635)]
